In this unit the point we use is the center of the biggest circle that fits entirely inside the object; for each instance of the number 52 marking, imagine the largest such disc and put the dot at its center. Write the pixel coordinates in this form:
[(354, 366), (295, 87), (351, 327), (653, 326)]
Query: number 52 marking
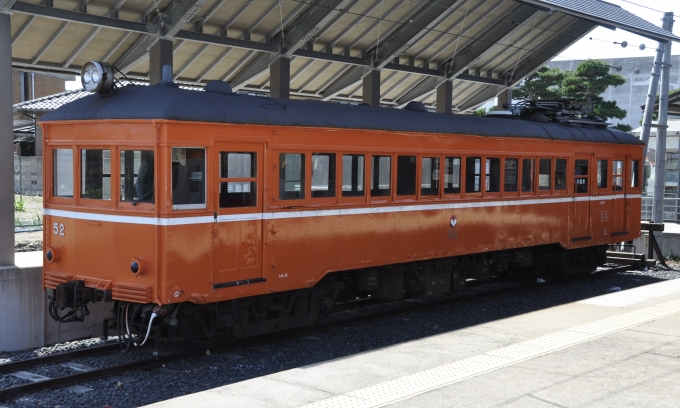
[(58, 229)]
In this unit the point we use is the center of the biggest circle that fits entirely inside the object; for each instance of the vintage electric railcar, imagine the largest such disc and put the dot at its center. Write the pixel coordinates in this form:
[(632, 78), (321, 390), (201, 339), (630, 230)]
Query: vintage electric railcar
[(225, 214)]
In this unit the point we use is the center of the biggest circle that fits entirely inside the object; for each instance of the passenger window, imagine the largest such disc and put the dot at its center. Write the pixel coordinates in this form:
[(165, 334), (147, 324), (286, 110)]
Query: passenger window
[(493, 175), (63, 172), (452, 175), (429, 177), (560, 174), (292, 176), (617, 175), (544, 174), (473, 174), (528, 171), (510, 184), (136, 176), (240, 170), (188, 178), (95, 174), (602, 174), (581, 176), (635, 173), (381, 175), (353, 175), (406, 175), (323, 175)]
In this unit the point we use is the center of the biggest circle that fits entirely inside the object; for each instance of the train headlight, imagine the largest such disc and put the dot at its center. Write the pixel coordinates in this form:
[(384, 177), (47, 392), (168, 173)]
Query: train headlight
[(52, 255), (138, 266), (97, 77)]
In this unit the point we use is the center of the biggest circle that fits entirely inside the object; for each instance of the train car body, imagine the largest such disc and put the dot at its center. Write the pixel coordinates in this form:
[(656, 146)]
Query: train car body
[(158, 195)]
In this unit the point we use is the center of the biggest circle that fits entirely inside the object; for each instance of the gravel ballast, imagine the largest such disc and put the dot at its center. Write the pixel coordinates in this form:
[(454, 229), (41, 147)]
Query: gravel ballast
[(185, 377)]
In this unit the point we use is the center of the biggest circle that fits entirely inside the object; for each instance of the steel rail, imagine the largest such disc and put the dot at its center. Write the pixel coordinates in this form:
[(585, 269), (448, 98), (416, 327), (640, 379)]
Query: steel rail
[(56, 358)]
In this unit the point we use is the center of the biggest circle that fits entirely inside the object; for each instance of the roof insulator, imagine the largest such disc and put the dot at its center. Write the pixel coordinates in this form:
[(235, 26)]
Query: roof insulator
[(219, 87), (415, 107)]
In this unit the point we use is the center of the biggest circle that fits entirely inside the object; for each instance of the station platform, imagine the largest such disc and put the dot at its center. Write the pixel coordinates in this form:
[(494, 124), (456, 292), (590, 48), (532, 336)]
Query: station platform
[(619, 349)]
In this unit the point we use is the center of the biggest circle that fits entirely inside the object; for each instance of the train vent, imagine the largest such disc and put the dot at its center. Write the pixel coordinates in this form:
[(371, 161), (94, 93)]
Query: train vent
[(131, 292), (415, 107), (219, 87)]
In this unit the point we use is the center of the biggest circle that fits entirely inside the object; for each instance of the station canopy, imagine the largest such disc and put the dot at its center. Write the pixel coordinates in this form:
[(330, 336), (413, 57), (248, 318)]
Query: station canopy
[(481, 46)]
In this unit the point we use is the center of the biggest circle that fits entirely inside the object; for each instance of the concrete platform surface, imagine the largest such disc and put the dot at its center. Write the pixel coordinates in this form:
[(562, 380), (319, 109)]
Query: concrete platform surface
[(616, 350)]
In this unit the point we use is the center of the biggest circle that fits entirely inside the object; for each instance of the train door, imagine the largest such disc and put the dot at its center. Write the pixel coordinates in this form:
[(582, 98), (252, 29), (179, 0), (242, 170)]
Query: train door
[(580, 228), (618, 223), (239, 192)]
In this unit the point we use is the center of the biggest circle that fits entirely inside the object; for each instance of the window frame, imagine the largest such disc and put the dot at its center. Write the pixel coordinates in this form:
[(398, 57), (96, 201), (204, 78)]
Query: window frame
[(50, 162), (533, 192), (323, 200), (416, 181), (257, 179), (393, 177), (306, 178), (461, 175), (187, 207), (519, 162), (500, 176), (607, 184), (339, 173), (419, 181), (565, 190), (115, 180), (574, 177), (622, 176), (482, 168), (551, 175), (640, 171)]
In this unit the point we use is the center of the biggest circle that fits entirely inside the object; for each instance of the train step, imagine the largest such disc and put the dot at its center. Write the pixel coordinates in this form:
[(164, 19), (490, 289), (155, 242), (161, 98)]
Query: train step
[(629, 258)]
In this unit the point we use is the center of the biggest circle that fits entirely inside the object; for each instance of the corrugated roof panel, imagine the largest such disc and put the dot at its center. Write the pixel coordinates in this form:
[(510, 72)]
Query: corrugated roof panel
[(607, 13)]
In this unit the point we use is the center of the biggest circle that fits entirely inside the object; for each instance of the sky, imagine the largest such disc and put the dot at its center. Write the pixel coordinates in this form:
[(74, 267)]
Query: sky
[(602, 43)]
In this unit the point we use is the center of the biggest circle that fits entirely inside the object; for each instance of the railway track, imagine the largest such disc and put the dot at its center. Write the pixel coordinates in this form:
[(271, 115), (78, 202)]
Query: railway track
[(352, 314)]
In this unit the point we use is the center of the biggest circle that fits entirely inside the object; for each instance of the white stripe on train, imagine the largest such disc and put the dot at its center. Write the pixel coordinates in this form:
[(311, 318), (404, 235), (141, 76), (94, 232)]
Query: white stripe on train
[(202, 219)]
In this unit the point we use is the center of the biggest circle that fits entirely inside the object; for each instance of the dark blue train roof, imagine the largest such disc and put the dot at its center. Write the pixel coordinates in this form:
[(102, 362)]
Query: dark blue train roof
[(163, 102)]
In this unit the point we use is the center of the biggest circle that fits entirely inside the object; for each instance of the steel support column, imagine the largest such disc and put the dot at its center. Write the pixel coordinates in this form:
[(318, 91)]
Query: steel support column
[(159, 54), (504, 98), (371, 91), (7, 152), (279, 77), (445, 97)]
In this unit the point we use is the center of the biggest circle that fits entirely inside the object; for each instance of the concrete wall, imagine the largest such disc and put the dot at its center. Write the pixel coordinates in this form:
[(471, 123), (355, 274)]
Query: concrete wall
[(24, 320), (669, 244), (633, 93), (28, 174)]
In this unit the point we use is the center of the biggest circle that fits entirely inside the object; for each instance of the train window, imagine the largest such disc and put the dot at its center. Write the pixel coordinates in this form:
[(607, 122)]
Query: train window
[(617, 175), (429, 177), (238, 193), (635, 173), (602, 174), (452, 175), (560, 174), (510, 184), (544, 174), (493, 175), (406, 175), (188, 178), (323, 175), (136, 176), (63, 172), (381, 175), (292, 176), (473, 174), (353, 175), (95, 174), (528, 171), (581, 173)]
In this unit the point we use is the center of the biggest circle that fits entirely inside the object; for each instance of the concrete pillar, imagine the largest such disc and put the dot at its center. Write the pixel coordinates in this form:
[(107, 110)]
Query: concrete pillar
[(38, 135), (279, 77), (504, 97), (7, 152), (159, 54), (445, 97), (371, 91)]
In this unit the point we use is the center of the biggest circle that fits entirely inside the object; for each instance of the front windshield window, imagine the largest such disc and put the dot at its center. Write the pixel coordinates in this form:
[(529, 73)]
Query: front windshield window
[(136, 176)]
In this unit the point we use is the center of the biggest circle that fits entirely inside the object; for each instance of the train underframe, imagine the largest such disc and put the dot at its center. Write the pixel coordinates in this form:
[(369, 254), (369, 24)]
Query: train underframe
[(205, 323)]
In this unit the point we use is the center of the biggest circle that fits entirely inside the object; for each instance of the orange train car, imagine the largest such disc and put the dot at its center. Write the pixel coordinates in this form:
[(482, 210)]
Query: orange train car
[(204, 214)]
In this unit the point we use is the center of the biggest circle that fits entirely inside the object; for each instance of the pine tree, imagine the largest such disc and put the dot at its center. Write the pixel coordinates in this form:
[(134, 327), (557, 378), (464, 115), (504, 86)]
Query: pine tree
[(544, 84), (585, 85)]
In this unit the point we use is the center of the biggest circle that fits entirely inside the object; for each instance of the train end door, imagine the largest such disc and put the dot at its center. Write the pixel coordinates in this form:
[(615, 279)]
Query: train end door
[(239, 188), (620, 204), (580, 225)]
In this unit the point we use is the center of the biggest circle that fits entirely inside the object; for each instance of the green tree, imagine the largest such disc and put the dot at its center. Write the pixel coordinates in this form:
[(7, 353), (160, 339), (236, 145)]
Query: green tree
[(585, 85), (543, 84), (480, 112), (623, 127)]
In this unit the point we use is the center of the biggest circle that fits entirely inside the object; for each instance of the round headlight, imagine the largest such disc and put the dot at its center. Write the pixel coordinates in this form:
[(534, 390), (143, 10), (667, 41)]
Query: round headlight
[(97, 77), (52, 255), (138, 266)]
